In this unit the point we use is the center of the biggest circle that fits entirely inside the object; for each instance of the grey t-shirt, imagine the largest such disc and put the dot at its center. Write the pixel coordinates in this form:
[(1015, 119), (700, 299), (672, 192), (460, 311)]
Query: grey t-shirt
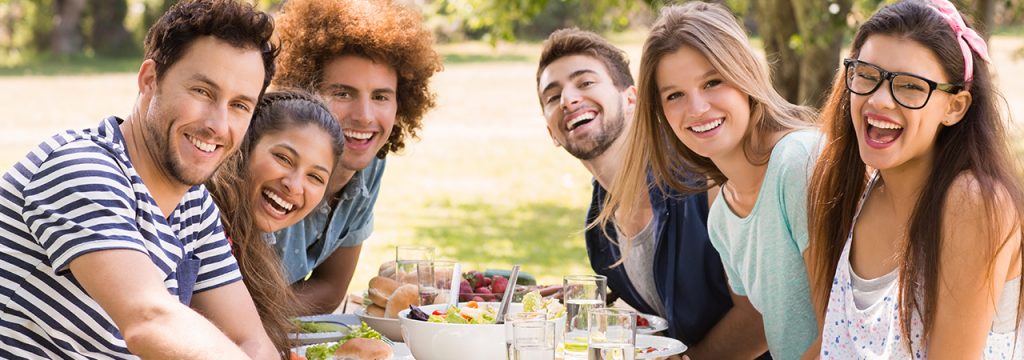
[(637, 259)]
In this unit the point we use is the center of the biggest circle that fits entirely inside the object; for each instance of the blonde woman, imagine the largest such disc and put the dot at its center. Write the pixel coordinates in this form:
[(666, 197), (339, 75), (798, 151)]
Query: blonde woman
[(706, 104)]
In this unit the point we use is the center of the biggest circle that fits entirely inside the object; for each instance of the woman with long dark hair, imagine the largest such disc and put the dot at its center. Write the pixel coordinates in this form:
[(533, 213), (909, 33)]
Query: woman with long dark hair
[(916, 205), (275, 179)]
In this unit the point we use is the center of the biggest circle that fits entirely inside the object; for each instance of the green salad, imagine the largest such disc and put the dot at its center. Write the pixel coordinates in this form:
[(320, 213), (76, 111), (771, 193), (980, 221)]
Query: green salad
[(326, 350)]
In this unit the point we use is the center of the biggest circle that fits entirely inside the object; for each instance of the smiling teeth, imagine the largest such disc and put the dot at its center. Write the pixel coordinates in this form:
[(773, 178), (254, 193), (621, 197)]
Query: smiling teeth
[(358, 135), (706, 127), (280, 202), (205, 147), (583, 117), (884, 124)]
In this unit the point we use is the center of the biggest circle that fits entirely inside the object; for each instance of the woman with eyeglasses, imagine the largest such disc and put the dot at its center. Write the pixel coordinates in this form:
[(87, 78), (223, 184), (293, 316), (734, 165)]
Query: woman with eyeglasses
[(920, 256), (706, 106)]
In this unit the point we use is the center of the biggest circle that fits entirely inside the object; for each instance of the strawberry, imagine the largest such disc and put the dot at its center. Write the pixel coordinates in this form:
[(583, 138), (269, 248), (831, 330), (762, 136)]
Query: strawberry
[(486, 282), (485, 293), (499, 284), (465, 291)]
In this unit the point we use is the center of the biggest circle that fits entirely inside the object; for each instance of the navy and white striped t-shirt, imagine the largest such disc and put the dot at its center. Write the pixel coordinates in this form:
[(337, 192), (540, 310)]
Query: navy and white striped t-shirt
[(77, 193)]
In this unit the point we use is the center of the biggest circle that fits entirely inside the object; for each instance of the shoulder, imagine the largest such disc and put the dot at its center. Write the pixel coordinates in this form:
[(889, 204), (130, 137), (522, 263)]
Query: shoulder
[(798, 144), (977, 207)]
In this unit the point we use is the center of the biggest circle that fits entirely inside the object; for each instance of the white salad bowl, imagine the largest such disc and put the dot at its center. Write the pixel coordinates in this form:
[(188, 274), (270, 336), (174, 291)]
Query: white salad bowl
[(443, 341)]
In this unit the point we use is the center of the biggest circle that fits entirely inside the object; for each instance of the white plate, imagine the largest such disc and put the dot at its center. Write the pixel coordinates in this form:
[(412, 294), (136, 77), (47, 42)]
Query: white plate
[(317, 338), (657, 324), (664, 346), (400, 351)]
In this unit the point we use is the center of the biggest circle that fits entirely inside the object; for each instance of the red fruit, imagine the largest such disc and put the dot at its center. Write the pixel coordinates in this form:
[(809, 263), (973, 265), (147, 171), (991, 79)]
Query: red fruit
[(486, 282), (478, 299), (642, 322), (479, 279), (465, 291), (485, 293), (471, 277), (499, 285)]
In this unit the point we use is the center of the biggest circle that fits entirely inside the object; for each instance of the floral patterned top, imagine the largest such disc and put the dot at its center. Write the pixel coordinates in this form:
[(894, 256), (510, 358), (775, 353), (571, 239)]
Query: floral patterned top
[(873, 331)]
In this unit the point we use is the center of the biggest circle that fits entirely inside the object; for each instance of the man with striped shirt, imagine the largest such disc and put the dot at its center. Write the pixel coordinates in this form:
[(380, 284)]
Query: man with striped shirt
[(109, 247)]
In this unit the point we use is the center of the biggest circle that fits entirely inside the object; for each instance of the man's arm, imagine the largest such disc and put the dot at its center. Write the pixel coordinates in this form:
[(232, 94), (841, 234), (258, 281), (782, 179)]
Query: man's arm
[(231, 309), (738, 335), (326, 288), (128, 286)]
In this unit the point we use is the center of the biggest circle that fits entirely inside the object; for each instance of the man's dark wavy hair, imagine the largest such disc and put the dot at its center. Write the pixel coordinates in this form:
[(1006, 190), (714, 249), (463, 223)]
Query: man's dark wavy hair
[(236, 23)]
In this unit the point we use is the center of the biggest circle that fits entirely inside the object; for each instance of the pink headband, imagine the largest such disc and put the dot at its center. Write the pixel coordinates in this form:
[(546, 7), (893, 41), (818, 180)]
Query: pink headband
[(967, 37)]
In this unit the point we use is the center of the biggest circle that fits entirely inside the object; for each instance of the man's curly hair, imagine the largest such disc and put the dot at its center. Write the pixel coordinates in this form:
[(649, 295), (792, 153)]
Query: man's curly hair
[(314, 32)]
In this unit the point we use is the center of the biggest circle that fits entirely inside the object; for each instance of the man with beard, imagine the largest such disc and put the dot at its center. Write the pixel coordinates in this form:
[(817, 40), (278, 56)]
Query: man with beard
[(659, 259), (109, 245), (372, 65)]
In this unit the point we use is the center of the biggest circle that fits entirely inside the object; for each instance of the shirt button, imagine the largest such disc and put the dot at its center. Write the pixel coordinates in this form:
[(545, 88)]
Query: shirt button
[(324, 210)]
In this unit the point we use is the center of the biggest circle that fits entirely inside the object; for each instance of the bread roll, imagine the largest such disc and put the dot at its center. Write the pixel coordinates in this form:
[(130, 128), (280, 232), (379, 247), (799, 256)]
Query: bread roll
[(363, 349), (374, 310), (380, 290), (387, 269), (404, 296)]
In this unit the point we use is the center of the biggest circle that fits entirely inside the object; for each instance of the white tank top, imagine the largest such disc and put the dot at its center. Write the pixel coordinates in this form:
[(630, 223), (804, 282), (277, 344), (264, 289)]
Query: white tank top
[(862, 321)]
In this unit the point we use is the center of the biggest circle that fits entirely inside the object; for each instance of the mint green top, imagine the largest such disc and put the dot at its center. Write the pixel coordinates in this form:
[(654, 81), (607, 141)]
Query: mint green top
[(763, 252)]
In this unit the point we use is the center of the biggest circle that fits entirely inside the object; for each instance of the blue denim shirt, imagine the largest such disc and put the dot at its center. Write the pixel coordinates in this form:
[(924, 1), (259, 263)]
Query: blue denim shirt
[(688, 272), (305, 245)]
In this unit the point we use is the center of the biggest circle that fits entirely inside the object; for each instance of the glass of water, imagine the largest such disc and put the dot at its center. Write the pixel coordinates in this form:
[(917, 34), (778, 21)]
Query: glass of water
[(511, 318), (435, 280), (409, 260), (612, 334), (533, 340), (582, 294)]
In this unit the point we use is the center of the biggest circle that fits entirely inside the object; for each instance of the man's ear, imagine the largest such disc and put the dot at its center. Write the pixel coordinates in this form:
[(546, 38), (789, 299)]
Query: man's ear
[(147, 78), (630, 102), (957, 108), (551, 133)]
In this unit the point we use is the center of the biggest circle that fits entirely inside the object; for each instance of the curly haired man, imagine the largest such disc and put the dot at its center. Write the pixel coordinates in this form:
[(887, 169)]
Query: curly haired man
[(372, 61)]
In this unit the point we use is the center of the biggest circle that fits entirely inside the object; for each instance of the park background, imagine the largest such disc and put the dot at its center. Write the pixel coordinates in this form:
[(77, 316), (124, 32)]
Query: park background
[(484, 184)]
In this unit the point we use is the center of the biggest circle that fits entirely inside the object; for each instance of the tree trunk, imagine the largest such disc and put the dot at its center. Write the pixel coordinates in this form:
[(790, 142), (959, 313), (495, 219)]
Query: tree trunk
[(777, 27), (109, 36), (802, 40), (822, 33), (66, 38)]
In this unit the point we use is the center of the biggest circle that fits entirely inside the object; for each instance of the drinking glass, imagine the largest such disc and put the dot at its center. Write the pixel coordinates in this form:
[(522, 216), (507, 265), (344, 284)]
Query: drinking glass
[(582, 294), (612, 334), (533, 340), (511, 318), (435, 279), (409, 260)]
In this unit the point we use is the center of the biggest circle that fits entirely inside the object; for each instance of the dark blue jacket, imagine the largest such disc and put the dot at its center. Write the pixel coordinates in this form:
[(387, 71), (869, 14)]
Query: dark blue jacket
[(688, 272)]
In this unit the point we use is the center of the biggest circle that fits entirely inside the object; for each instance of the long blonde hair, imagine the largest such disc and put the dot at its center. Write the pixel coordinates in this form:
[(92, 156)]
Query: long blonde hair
[(652, 145)]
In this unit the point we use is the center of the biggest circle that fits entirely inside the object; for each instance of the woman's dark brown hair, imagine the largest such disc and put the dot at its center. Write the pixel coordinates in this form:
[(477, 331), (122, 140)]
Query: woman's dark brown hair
[(260, 266), (977, 145)]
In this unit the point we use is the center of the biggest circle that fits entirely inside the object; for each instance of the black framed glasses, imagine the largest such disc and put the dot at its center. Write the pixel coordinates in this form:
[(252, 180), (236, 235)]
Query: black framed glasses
[(909, 90)]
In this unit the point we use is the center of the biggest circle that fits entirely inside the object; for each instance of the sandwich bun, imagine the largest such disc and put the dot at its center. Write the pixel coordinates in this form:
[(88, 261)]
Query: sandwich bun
[(404, 296), (374, 310), (380, 290), (363, 349)]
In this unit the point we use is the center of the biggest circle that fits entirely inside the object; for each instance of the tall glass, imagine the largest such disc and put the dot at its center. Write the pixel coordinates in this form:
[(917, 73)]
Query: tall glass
[(533, 340), (511, 318), (409, 260), (582, 294), (612, 334), (435, 279)]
